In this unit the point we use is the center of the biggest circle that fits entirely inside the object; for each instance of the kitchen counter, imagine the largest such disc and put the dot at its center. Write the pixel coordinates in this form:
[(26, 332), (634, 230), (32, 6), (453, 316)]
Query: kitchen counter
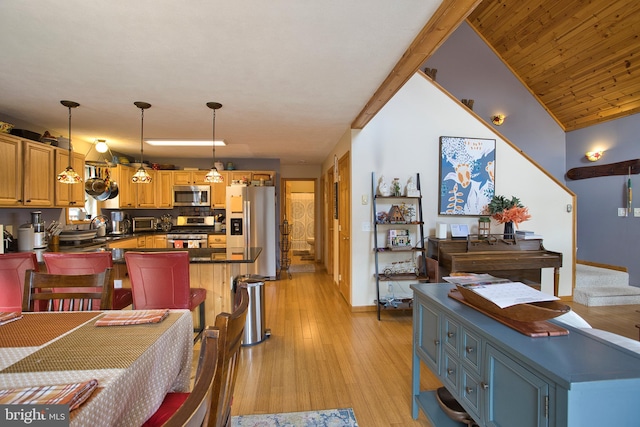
[(201, 255)]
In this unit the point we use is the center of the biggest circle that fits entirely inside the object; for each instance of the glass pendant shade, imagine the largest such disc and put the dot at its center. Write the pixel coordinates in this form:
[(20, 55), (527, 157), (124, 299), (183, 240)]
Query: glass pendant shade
[(214, 176), (69, 176), (141, 176)]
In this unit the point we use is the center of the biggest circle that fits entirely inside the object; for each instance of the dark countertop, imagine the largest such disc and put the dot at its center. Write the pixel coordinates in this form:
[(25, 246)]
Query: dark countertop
[(200, 255)]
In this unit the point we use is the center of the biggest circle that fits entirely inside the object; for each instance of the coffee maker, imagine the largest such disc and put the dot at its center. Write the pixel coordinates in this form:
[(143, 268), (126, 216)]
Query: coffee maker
[(39, 234)]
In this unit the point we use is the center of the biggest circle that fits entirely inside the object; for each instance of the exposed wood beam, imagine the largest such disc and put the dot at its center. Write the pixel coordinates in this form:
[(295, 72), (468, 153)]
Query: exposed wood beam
[(444, 21)]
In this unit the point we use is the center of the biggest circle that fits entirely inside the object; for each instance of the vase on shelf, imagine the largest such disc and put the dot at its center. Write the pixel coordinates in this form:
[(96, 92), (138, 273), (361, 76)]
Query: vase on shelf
[(509, 233)]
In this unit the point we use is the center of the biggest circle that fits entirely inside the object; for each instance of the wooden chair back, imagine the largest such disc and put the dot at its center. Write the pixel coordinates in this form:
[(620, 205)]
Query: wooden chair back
[(13, 268), (68, 292), (216, 392)]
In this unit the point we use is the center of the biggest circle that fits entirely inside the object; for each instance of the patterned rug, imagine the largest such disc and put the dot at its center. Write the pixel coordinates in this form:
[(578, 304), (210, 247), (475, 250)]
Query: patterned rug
[(302, 268), (326, 418)]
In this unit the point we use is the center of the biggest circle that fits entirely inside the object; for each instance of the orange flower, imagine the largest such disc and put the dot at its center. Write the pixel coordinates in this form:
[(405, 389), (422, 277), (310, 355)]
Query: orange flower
[(515, 214)]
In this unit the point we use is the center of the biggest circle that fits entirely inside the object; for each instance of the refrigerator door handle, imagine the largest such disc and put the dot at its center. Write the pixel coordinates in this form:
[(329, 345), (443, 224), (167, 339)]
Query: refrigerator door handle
[(247, 223)]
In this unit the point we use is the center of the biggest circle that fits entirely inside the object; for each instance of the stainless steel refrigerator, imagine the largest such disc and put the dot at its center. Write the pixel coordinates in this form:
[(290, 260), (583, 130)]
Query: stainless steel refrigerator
[(251, 221)]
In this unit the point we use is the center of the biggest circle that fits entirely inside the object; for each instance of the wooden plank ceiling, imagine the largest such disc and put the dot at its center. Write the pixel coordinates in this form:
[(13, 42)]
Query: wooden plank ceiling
[(581, 59)]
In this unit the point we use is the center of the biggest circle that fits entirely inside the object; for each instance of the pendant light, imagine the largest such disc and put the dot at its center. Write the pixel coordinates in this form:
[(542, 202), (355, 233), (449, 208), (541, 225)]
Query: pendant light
[(141, 176), (69, 176), (214, 176)]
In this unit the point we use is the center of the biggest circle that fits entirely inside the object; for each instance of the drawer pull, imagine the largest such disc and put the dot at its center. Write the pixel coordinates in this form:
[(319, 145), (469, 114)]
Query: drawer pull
[(450, 371), (451, 334), (484, 385), (469, 390), (469, 349), (436, 342)]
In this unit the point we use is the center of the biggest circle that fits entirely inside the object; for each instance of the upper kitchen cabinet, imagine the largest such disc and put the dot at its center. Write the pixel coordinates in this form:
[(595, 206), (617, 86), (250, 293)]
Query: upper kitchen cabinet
[(10, 171), (39, 174), (69, 195), (132, 195), (164, 189), (219, 190), (186, 177)]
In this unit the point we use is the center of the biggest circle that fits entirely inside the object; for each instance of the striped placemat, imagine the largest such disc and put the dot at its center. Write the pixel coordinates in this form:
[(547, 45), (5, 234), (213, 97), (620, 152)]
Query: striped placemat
[(91, 347), (36, 329)]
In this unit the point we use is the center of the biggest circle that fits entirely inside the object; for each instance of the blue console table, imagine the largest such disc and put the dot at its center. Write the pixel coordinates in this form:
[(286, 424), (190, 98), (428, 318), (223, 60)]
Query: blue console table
[(504, 378)]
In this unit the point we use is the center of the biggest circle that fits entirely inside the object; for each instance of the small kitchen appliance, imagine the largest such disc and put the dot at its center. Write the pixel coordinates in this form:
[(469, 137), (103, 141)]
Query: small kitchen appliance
[(118, 222)]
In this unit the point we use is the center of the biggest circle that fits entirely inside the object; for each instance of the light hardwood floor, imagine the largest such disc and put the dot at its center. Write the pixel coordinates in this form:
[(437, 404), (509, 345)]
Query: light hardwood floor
[(323, 356)]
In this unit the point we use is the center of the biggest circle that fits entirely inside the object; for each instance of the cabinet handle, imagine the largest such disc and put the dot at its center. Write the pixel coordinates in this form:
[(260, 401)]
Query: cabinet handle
[(484, 385), (450, 371), (436, 342), (451, 334), (469, 349), (469, 390)]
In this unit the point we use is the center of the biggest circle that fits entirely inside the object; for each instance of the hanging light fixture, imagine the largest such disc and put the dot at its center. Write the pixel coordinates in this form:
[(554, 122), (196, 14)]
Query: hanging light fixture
[(141, 176), (69, 176), (213, 175)]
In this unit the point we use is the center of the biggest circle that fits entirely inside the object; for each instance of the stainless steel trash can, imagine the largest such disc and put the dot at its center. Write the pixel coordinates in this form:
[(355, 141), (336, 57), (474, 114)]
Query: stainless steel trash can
[(254, 329)]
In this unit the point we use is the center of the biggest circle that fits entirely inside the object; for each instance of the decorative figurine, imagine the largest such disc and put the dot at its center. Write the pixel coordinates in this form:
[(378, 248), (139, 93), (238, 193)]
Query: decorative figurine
[(412, 190), (383, 188)]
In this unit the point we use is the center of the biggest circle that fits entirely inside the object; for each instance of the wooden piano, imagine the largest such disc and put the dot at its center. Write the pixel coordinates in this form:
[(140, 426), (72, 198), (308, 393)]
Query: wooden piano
[(517, 260)]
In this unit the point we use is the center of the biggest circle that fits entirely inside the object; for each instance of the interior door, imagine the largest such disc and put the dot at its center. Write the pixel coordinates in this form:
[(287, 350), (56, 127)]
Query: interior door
[(344, 227)]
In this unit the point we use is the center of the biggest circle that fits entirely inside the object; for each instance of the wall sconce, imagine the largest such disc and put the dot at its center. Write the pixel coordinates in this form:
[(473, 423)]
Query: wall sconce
[(498, 119), (592, 156)]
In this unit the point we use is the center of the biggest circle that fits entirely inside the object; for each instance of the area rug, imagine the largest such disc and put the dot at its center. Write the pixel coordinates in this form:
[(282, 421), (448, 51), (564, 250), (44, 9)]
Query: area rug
[(327, 418), (300, 253), (302, 268)]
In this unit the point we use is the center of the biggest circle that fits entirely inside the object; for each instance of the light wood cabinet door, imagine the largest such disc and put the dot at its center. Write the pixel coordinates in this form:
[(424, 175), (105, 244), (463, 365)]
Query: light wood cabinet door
[(146, 193), (65, 194), (190, 177), (219, 196), (126, 190), (160, 241), (39, 174), (131, 243), (10, 171), (164, 189)]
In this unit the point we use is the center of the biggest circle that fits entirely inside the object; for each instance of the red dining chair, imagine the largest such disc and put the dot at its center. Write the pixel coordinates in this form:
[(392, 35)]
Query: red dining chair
[(71, 263), (161, 280), (209, 404), (13, 267)]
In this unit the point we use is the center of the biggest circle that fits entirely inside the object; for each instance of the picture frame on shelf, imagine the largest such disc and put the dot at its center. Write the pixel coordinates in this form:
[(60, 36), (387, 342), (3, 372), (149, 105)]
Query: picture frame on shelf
[(467, 175)]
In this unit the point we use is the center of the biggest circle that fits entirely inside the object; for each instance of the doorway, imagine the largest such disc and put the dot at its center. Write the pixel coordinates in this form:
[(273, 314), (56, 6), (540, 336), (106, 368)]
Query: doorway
[(299, 210)]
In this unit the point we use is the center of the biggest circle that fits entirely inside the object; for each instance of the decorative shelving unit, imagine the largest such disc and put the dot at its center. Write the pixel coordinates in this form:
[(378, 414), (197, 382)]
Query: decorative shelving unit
[(400, 220), (285, 246)]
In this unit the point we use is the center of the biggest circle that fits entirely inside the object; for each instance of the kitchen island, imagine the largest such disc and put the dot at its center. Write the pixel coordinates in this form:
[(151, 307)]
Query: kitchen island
[(213, 269)]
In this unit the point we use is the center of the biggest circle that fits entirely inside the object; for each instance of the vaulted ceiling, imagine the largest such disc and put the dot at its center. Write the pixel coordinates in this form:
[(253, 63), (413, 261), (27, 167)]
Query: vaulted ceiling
[(581, 59)]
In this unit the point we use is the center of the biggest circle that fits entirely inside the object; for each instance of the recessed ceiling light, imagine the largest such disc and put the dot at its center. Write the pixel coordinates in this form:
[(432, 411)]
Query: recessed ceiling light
[(184, 142)]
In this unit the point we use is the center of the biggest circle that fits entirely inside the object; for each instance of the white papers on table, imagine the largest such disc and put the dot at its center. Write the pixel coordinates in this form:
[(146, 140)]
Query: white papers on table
[(474, 278), (508, 294)]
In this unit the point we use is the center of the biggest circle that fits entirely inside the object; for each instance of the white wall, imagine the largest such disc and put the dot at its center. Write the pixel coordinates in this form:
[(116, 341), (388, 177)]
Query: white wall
[(403, 138)]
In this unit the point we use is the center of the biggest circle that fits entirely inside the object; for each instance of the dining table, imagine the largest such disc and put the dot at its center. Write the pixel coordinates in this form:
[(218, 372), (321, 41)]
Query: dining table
[(135, 365)]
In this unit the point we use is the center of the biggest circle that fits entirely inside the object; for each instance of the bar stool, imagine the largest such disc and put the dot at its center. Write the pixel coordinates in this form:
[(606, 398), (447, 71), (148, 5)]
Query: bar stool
[(161, 280), (72, 263), (13, 268)]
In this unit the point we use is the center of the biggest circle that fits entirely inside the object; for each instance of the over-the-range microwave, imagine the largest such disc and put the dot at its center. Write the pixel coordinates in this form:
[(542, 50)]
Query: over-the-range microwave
[(191, 195)]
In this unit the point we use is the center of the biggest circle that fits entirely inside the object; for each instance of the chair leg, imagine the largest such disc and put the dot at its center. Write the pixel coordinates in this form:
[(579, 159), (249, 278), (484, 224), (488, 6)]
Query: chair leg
[(200, 328)]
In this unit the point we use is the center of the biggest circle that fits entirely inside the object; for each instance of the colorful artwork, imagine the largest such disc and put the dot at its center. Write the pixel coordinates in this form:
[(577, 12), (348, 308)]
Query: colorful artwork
[(467, 172)]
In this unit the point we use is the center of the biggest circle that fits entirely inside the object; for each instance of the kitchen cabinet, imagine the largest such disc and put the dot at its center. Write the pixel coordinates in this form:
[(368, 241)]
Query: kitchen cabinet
[(186, 177), (164, 189), (219, 190), (124, 243), (217, 241), (39, 174), (10, 171), (132, 195), (504, 378), (159, 241), (152, 241), (69, 195)]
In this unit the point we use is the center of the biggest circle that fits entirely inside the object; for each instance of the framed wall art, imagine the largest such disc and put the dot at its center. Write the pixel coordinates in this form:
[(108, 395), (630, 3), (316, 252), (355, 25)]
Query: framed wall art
[(467, 172)]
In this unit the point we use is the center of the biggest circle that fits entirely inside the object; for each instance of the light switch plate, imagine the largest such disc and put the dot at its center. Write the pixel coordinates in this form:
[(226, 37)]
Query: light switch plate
[(636, 211), (366, 226), (622, 212)]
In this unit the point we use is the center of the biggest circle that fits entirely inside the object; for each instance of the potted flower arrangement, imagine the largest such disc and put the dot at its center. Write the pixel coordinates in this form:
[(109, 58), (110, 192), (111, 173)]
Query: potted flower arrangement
[(508, 212)]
